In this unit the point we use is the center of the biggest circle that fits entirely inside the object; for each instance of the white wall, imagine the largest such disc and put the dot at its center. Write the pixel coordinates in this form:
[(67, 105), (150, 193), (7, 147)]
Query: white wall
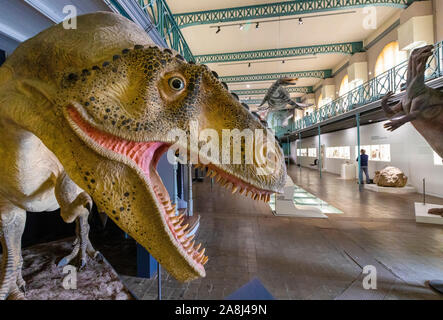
[(409, 152)]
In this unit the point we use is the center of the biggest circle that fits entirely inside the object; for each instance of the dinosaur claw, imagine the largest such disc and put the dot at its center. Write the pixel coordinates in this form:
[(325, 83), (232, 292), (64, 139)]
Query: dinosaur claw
[(63, 262), (82, 264), (98, 256)]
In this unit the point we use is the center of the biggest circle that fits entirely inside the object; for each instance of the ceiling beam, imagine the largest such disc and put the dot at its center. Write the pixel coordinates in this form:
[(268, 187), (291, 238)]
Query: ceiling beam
[(279, 9), (340, 48), (46, 11), (321, 74), (249, 92)]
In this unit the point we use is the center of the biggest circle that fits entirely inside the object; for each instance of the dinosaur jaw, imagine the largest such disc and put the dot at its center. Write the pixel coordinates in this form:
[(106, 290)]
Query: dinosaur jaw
[(144, 157)]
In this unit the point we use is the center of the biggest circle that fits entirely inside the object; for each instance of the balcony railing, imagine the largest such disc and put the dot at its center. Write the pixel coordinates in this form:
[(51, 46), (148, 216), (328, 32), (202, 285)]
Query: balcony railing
[(392, 80), (161, 16)]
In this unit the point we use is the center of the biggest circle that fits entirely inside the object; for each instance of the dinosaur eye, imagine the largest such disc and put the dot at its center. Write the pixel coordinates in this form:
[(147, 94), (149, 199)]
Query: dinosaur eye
[(176, 83)]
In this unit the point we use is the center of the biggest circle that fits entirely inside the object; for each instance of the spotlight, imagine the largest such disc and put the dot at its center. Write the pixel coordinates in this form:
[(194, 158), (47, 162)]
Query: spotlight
[(241, 27), (300, 21), (218, 30), (249, 65), (283, 61), (257, 25)]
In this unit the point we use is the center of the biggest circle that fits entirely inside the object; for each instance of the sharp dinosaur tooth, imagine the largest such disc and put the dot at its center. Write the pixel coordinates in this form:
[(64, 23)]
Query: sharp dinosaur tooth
[(213, 174), (218, 178), (182, 237), (178, 223), (242, 191), (171, 210), (200, 254), (181, 216), (234, 189), (187, 245), (191, 249), (262, 197), (199, 259), (208, 173), (256, 196), (268, 197), (205, 260), (171, 214), (187, 241), (198, 247), (174, 219), (183, 228)]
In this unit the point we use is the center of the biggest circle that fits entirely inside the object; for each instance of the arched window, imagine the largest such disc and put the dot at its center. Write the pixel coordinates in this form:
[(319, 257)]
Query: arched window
[(344, 86), (389, 57)]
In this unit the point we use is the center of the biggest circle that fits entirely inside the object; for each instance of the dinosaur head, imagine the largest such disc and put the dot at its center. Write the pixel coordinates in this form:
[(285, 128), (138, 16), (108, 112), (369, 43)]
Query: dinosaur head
[(288, 81), (128, 111), (420, 56)]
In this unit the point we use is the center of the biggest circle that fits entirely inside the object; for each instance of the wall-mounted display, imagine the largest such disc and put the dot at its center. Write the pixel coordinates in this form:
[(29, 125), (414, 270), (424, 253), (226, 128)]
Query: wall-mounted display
[(338, 153), (377, 152), (312, 152)]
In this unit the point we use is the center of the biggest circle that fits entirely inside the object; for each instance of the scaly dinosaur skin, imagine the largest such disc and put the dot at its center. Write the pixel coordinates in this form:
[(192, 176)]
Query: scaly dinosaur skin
[(422, 106), (83, 118)]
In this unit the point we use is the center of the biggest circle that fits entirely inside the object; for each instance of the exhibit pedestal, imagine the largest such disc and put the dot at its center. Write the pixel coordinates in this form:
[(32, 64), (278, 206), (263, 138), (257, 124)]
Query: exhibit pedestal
[(348, 172), (422, 215), (44, 280), (285, 206), (403, 190)]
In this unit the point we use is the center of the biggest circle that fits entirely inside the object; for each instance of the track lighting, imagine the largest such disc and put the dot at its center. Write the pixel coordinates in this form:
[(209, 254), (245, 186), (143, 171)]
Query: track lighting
[(218, 30), (300, 20)]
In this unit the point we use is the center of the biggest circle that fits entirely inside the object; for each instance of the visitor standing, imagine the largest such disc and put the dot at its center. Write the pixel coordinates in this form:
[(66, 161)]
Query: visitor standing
[(364, 166)]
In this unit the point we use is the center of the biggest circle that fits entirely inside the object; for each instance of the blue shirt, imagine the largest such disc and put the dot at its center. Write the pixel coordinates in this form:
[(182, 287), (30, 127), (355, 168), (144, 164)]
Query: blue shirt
[(364, 160)]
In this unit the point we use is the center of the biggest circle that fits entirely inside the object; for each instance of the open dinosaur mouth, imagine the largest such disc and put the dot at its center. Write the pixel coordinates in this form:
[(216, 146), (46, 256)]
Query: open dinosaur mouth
[(146, 156)]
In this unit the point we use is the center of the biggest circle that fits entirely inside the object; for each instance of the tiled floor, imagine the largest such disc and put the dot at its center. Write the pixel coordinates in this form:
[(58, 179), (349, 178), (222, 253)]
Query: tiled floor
[(299, 258)]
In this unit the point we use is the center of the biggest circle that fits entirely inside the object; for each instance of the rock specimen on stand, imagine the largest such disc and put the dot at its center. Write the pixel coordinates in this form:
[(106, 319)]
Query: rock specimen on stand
[(390, 177)]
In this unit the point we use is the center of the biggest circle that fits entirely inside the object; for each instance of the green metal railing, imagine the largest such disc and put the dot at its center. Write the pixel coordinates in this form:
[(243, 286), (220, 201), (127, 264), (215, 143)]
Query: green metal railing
[(161, 16), (392, 80)]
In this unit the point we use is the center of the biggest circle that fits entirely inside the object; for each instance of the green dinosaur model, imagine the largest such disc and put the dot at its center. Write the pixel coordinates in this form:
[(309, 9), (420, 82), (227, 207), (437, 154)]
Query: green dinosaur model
[(83, 118)]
